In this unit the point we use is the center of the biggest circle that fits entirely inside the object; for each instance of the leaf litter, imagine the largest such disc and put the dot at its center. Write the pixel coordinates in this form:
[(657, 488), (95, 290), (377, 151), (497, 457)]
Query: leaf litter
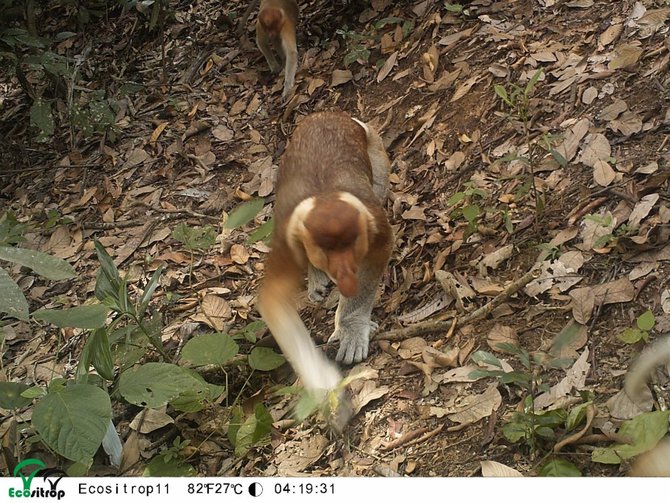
[(217, 144)]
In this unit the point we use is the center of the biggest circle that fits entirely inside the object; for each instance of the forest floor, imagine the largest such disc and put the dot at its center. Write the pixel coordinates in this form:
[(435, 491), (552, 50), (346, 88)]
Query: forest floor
[(569, 179)]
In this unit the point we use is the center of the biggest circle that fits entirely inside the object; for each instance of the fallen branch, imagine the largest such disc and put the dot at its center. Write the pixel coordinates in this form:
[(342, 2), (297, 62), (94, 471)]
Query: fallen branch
[(407, 437), (439, 323)]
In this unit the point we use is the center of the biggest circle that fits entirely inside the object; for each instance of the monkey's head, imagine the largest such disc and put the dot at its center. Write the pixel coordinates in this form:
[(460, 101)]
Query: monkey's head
[(272, 19), (334, 234)]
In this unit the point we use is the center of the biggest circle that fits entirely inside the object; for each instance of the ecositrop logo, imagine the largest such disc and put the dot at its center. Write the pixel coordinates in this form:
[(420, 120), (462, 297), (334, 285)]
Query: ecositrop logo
[(27, 491)]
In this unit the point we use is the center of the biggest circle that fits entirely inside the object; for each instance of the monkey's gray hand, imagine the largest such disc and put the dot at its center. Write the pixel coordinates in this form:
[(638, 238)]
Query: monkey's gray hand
[(354, 340), (317, 284)]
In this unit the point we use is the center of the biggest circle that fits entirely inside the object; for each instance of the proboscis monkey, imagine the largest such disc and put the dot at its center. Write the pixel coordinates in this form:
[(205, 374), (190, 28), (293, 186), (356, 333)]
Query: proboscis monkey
[(275, 31), (329, 221), (658, 353), (656, 462)]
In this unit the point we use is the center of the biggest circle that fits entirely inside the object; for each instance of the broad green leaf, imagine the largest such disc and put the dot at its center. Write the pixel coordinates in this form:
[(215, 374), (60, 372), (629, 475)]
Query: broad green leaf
[(89, 316), (50, 267), (34, 392), (644, 431), (307, 404), (646, 321), (357, 52), (502, 93), (265, 359), (533, 80), (631, 335), (250, 331), (456, 198), (42, 119), (12, 300), (254, 429), (576, 416), (486, 358), (156, 384), (568, 334), (149, 291), (101, 354), (471, 212), (244, 213), (193, 400), (236, 420), (10, 395), (560, 468), (108, 283), (210, 349), (514, 432), (158, 467), (263, 232), (73, 421), (195, 238)]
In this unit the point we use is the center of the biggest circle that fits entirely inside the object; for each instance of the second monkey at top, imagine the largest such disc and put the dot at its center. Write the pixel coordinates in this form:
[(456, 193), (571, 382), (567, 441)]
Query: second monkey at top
[(275, 33)]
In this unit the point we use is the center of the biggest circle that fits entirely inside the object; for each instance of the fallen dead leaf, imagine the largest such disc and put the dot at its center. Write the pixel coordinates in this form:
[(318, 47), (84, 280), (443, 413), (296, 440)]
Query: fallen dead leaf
[(583, 302), (495, 469), (641, 210), (366, 394), (151, 420), (340, 77), (626, 57), (620, 290), (603, 174), (476, 407), (501, 334), (575, 379)]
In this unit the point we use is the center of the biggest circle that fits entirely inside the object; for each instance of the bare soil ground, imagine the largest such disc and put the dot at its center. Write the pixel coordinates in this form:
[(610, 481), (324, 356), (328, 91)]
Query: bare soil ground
[(205, 133)]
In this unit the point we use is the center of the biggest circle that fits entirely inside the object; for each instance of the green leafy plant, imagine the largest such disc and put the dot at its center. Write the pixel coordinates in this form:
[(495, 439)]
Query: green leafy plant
[(465, 205), (643, 324), (355, 50), (643, 431), (518, 99), (528, 426)]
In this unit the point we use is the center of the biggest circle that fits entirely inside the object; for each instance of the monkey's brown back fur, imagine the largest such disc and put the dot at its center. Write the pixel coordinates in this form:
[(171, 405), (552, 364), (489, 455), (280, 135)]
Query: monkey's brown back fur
[(328, 154)]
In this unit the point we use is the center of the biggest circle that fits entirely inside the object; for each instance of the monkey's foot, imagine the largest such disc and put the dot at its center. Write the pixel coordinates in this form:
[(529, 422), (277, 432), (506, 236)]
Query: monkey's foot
[(354, 342)]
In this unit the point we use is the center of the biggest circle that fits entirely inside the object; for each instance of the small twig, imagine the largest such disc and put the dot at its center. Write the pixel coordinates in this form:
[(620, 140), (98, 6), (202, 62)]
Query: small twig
[(407, 437), (582, 210), (439, 324), (425, 436)]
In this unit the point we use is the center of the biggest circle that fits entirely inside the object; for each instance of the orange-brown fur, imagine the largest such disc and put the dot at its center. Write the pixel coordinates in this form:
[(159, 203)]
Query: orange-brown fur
[(326, 173), (276, 33)]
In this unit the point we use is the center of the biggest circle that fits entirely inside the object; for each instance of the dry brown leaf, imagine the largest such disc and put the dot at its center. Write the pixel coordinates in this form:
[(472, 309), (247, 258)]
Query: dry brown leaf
[(589, 95), (476, 407), (464, 88), (293, 457), (314, 84), (665, 301), (436, 358), (455, 160), (214, 312), (387, 67), (622, 407), (151, 420), (411, 347), (597, 148), (414, 213), (569, 340), (611, 112), (459, 374), (340, 77), (574, 379), (493, 260), (424, 312), (583, 303), (620, 290), (501, 334), (239, 254), (222, 133), (568, 148), (641, 210), (626, 57), (627, 124), (367, 393), (610, 34), (495, 469), (603, 174)]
